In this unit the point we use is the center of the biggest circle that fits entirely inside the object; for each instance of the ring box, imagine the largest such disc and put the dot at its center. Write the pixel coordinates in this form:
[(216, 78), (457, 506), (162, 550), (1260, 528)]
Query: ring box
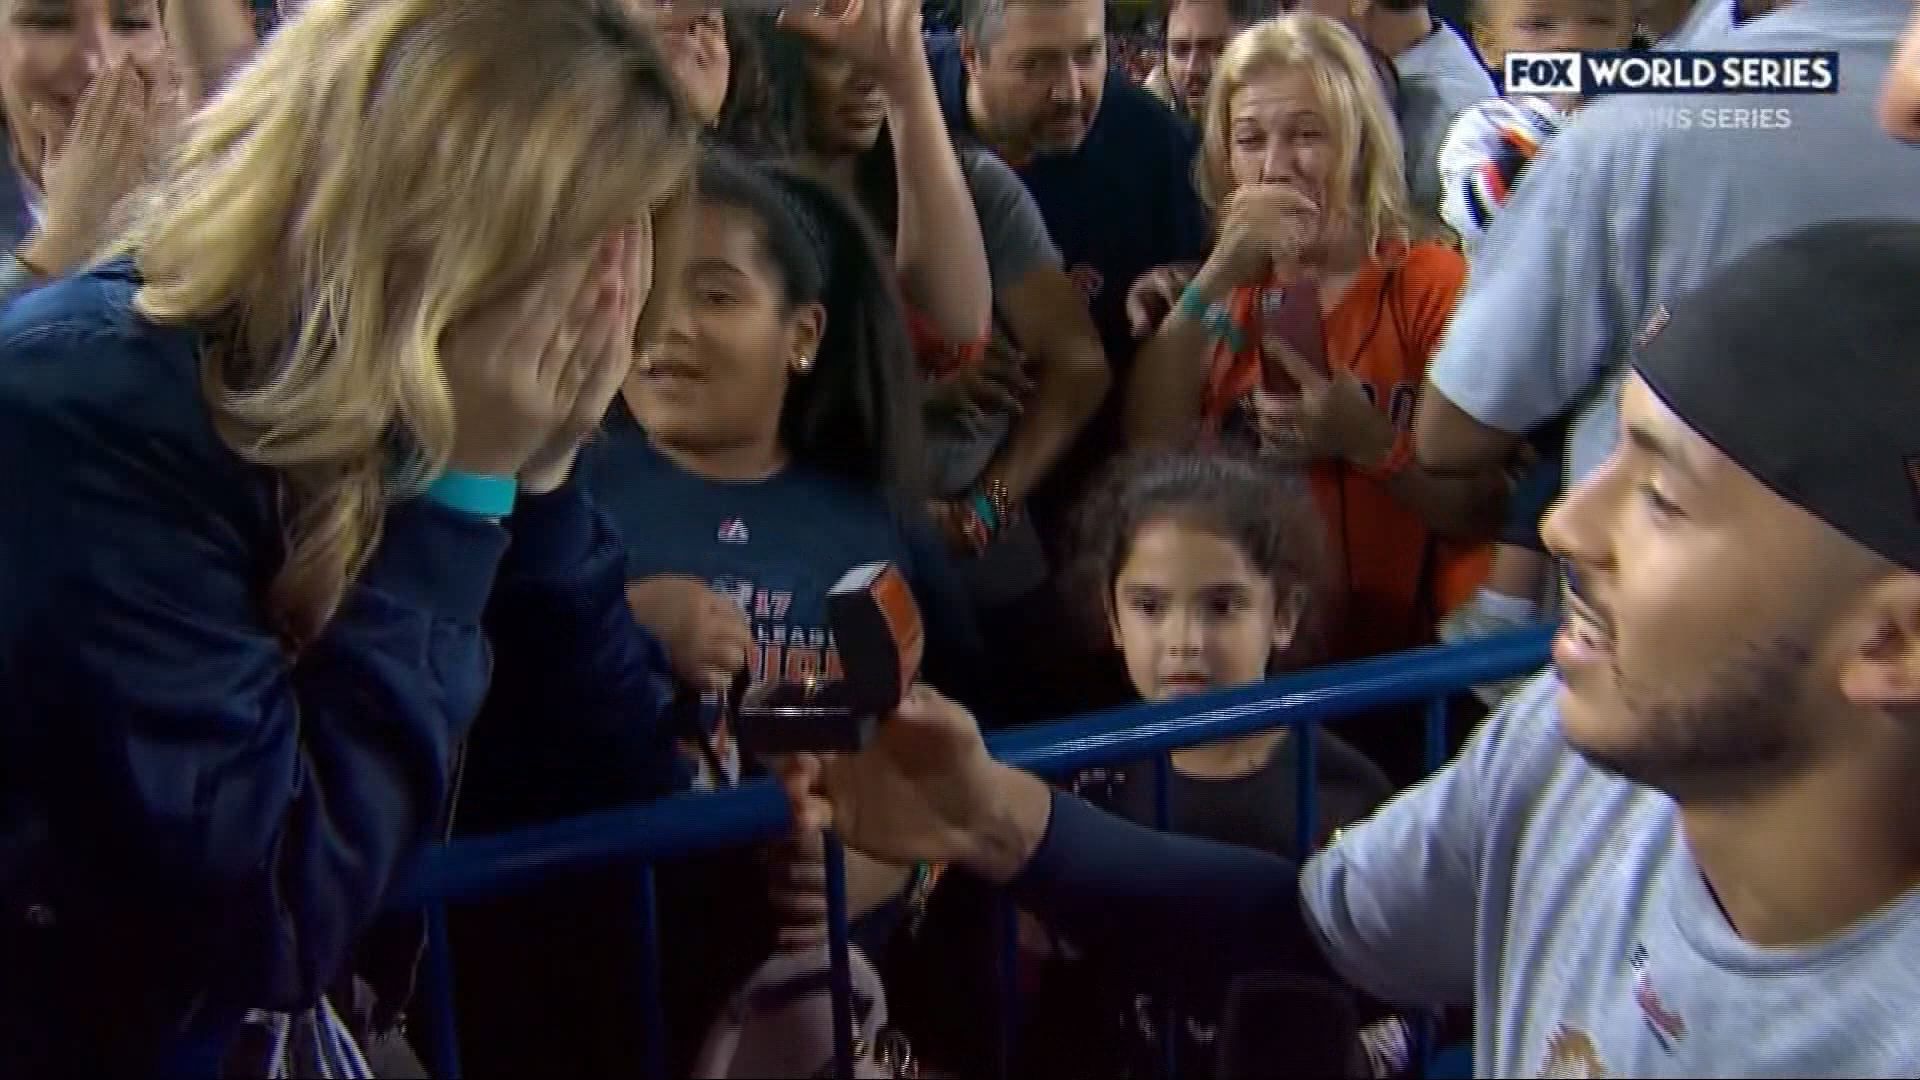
[(878, 634)]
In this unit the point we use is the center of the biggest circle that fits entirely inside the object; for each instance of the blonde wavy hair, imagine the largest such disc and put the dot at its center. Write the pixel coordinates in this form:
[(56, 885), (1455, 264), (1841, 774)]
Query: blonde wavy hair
[(381, 169), (1365, 136)]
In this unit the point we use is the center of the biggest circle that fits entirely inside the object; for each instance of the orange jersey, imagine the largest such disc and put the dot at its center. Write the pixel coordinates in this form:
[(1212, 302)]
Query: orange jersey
[(1393, 578), (1384, 330)]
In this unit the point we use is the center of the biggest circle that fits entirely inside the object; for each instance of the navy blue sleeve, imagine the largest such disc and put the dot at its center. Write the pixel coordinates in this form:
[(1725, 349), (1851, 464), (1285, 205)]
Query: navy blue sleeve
[(580, 716), (1170, 907), (256, 805)]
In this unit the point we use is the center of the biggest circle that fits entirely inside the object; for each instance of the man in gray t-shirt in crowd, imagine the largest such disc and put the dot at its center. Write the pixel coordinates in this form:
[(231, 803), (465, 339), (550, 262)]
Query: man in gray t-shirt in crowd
[(1637, 201)]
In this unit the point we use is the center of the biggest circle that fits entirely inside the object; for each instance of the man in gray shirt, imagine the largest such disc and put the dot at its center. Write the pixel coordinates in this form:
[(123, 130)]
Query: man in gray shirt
[(1440, 75), (1690, 850), (1635, 202)]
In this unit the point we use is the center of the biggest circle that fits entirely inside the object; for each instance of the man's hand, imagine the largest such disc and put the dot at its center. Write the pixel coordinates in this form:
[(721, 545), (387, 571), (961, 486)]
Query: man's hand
[(1155, 295), (998, 385), (924, 790)]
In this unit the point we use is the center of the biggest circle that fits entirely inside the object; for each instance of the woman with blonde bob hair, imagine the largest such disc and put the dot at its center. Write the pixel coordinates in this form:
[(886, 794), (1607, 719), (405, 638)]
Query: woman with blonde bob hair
[(1308, 330), (267, 470)]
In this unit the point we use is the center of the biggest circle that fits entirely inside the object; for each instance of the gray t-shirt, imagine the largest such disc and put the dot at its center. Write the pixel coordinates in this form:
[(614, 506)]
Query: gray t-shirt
[(1438, 77), (1706, 19), (1010, 222), (1017, 244), (1563, 902), (1639, 199)]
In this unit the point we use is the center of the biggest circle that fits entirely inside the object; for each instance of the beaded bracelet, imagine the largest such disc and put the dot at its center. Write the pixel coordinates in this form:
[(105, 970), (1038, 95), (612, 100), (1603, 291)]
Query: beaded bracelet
[(1001, 500), (985, 514), (919, 890)]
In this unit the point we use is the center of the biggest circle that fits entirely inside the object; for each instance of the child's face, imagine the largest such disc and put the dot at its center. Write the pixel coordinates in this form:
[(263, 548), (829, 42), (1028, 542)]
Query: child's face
[(1558, 26), (1190, 613)]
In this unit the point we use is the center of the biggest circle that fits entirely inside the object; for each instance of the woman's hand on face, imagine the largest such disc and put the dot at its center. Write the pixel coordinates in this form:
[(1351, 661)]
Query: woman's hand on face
[(117, 139), (1330, 419), (532, 377), (1264, 229), (882, 35), (606, 354), (705, 634)]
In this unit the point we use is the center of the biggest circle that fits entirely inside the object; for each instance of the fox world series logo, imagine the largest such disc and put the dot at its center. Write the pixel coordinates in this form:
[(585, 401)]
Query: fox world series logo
[(1593, 74)]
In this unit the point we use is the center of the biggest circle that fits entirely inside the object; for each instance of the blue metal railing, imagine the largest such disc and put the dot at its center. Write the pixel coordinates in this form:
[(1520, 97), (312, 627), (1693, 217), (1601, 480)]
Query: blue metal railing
[(683, 825)]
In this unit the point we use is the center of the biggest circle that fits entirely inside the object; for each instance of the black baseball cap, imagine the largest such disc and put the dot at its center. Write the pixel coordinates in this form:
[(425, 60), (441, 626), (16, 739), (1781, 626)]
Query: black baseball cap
[(1800, 361)]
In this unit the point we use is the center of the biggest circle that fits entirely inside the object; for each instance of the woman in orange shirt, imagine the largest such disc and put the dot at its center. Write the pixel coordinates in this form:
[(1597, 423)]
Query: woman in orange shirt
[(1309, 328)]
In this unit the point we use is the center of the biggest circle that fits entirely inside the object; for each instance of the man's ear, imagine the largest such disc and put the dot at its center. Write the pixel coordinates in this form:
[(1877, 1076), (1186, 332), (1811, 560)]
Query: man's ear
[(970, 55), (1882, 666)]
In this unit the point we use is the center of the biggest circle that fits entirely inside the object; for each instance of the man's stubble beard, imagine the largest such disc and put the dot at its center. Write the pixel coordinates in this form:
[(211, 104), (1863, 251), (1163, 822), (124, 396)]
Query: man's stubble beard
[(1737, 737)]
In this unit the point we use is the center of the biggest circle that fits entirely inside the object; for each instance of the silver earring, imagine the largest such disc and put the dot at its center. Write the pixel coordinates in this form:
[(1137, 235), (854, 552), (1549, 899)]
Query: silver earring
[(802, 363)]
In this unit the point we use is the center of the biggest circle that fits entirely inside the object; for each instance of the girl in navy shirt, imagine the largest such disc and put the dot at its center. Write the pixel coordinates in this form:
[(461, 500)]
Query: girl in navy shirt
[(778, 419), (767, 445)]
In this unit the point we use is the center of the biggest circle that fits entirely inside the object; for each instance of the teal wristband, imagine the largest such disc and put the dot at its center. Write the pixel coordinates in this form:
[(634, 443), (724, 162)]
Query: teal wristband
[(475, 493), (1213, 318), (1193, 305), (983, 507), (1220, 327)]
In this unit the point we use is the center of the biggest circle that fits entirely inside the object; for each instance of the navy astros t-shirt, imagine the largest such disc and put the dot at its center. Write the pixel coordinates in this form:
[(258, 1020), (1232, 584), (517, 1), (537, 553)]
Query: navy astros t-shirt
[(776, 546)]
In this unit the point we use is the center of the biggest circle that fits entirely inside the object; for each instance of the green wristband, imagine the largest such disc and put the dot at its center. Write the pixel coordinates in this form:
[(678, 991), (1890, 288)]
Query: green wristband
[(1193, 305), (983, 508), (1213, 318)]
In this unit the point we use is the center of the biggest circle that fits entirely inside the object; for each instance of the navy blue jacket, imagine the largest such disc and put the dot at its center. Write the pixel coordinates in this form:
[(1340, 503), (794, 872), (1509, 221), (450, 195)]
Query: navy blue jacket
[(191, 823)]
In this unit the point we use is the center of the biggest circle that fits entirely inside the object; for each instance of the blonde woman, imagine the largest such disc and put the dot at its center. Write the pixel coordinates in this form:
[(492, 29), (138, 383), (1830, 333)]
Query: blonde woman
[(1308, 329), (264, 474)]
